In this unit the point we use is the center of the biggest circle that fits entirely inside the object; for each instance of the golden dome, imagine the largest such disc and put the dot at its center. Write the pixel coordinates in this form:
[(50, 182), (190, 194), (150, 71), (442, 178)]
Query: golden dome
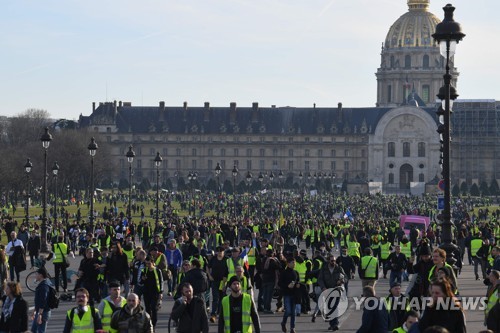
[(414, 28)]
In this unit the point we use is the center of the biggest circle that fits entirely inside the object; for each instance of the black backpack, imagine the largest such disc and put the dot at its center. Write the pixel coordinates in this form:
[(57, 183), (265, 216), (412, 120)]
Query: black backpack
[(53, 298)]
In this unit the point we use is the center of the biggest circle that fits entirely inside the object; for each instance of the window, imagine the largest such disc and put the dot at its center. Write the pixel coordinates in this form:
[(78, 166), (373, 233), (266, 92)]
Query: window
[(306, 139), (307, 153), (275, 165), (392, 61), (290, 165), (346, 153), (290, 152), (421, 177), (139, 164), (363, 166), (425, 93), (333, 153), (275, 152), (165, 152), (249, 152), (210, 165), (421, 149), (363, 153), (236, 152), (262, 165), (346, 166), (320, 152), (223, 164), (262, 152), (249, 165), (406, 149), (408, 61), (333, 165), (389, 93), (391, 149), (210, 152), (425, 62), (320, 165), (391, 178), (178, 152), (307, 165), (177, 164), (193, 152), (235, 162), (193, 165), (222, 152)]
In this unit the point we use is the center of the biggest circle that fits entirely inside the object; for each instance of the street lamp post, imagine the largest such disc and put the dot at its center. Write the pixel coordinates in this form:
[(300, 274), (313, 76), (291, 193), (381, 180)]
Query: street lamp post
[(55, 170), (448, 34), (249, 179), (301, 177), (261, 180), (130, 158), (235, 173), (271, 179), (92, 147), (280, 177), (27, 168), (218, 170), (45, 138), (158, 161)]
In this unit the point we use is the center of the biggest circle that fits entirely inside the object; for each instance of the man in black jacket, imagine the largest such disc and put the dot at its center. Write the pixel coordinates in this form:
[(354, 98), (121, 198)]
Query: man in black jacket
[(348, 265), (189, 312), (398, 262), (330, 276), (197, 278), (289, 285)]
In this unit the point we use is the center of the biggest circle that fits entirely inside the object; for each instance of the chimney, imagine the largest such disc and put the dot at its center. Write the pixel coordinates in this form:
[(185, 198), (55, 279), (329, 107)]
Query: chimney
[(314, 105), (273, 106), (93, 106), (232, 105), (185, 105), (162, 104), (340, 113), (232, 113), (255, 105), (207, 105), (120, 103), (114, 103)]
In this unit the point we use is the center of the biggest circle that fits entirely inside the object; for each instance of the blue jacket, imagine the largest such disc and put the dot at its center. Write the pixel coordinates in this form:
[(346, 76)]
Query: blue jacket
[(42, 295), (174, 257), (374, 321)]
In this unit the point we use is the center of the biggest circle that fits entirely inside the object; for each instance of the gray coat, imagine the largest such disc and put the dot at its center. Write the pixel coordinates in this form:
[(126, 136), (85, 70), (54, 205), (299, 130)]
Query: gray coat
[(136, 322), (330, 280)]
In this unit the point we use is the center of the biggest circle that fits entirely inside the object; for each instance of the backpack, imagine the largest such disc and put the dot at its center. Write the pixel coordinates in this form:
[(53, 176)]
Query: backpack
[(53, 298)]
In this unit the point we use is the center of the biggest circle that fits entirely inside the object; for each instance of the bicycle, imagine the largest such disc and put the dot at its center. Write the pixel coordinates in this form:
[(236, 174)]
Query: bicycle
[(31, 282)]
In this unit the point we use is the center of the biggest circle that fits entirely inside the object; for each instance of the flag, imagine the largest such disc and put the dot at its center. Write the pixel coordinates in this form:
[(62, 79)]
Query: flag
[(281, 221), (348, 215)]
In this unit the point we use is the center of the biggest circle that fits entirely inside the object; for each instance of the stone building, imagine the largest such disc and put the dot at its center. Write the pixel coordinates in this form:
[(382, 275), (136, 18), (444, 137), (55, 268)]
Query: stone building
[(393, 147)]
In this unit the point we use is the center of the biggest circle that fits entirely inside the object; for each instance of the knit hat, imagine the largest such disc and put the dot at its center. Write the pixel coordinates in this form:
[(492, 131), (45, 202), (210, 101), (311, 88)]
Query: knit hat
[(425, 250), (42, 271), (233, 279)]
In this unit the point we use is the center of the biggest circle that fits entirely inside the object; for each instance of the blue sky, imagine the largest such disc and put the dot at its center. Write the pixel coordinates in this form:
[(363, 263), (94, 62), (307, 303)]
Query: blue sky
[(62, 55)]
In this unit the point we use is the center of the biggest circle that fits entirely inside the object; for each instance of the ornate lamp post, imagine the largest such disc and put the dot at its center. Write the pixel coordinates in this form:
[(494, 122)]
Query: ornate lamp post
[(218, 170), (448, 34), (27, 169), (261, 180), (130, 158), (301, 177), (280, 177), (235, 173), (92, 147), (158, 161), (45, 138), (248, 179), (271, 178), (55, 170)]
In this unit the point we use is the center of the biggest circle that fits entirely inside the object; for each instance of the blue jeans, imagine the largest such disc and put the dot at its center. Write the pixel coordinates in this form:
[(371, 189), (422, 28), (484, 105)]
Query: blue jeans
[(35, 328), (395, 276), (267, 291), (289, 302)]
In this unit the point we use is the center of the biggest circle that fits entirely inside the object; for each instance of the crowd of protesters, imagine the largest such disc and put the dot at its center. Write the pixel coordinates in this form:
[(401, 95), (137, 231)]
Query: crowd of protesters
[(231, 266)]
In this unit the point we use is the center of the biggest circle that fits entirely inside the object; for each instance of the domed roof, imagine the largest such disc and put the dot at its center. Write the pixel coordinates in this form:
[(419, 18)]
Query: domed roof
[(414, 28)]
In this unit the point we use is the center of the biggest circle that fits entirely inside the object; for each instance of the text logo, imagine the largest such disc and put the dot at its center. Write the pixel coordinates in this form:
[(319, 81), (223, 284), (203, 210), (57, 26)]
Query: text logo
[(333, 303)]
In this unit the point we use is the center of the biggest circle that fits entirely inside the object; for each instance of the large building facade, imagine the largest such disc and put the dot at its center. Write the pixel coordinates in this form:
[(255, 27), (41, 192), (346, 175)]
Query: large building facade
[(393, 146)]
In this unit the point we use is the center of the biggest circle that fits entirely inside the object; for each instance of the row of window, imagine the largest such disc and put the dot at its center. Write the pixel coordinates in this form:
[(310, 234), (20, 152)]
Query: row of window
[(407, 61), (249, 165), (248, 153), (421, 178), (424, 94), (391, 149)]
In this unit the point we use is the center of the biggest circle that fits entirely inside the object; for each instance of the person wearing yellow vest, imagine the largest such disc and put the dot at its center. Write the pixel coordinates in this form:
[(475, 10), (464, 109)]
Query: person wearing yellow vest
[(397, 304), (411, 317), (83, 318), (232, 262), (475, 244), (153, 289), (110, 304), (368, 269), (482, 254), (246, 284), (131, 317), (353, 249), (303, 267), (439, 260), (385, 251), (492, 293), (238, 311), (189, 312), (61, 252)]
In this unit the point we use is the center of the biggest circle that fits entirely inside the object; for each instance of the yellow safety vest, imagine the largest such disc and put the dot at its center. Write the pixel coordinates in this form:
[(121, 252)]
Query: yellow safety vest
[(388, 304), (376, 239), (251, 256), (108, 312), (158, 286), (431, 272), (301, 269), (203, 242), (84, 325), (406, 249), (353, 249), (399, 330), (200, 259), (246, 319), (385, 250), (369, 265), (475, 245), (60, 250), (129, 254), (492, 301)]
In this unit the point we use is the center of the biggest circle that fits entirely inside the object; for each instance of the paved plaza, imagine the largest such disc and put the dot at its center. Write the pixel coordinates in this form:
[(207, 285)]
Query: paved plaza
[(350, 321)]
